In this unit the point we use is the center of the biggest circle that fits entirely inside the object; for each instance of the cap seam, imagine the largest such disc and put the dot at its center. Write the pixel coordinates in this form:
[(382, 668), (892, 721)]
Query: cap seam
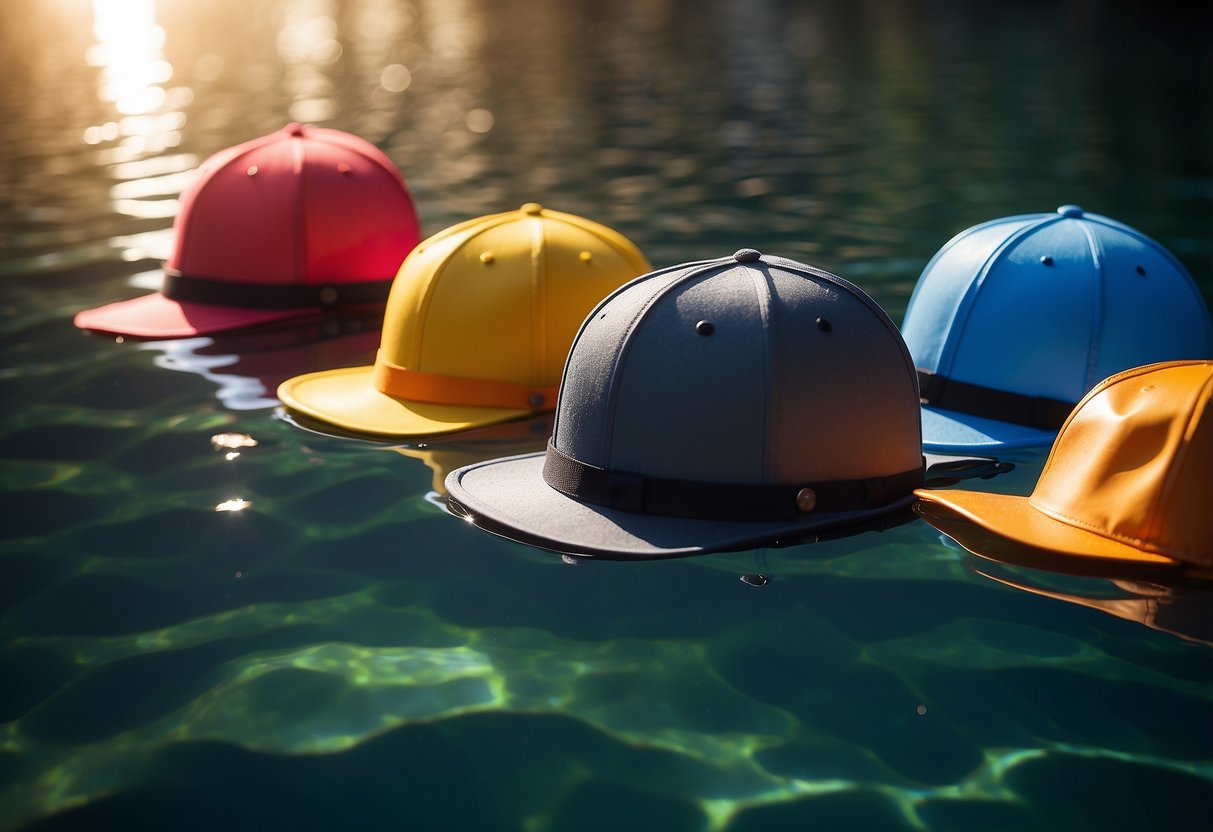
[(299, 209), (608, 235), (539, 288), (962, 312), (1148, 545), (624, 348), (178, 252), (1151, 243), (594, 313), (469, 231), (1099, 307), (762, 281), (862, 296), (422, 311)]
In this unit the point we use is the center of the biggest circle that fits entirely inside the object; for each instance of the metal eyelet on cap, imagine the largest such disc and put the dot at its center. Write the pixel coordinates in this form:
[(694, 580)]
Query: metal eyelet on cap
[(806, 500), (705, 328)]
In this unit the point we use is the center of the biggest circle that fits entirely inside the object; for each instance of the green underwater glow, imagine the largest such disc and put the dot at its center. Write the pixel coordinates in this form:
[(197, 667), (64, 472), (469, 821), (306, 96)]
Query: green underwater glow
[(330, 697)]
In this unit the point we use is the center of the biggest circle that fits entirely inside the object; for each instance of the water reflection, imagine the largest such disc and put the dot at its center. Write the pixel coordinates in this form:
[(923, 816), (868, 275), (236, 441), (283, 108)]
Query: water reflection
[(147, 117), (129, 53), (443, 455), (307, 43), (247, 368), (1183, 610)]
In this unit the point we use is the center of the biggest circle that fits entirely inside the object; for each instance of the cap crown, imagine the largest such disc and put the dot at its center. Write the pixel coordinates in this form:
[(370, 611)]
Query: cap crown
[(500, 297), (304, 205), (740, 370), (1049, 304), (1134, 463)]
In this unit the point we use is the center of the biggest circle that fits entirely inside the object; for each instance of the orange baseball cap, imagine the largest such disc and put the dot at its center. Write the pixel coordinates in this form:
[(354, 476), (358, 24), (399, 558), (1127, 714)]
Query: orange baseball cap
[(282, 227), (477, 327), (1126, 484)]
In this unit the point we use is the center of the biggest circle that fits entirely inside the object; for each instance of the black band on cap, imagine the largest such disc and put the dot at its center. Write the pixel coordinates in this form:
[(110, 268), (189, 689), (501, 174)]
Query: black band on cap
[(719, 500), (990, 403), (191, 289)]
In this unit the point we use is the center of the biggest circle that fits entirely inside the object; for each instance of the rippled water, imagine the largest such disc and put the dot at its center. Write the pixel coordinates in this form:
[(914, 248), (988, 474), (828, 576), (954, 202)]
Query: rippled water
[(332, 650)]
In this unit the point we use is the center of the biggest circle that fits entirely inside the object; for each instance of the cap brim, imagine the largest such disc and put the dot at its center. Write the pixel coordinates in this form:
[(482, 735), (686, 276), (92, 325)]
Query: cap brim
[(347, 398), (509, 497), (1009, 529), (948, 430), (155, 316)]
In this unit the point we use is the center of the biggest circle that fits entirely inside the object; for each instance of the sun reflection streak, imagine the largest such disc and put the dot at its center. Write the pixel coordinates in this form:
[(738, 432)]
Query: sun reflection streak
[(148, 116), (129, 51)]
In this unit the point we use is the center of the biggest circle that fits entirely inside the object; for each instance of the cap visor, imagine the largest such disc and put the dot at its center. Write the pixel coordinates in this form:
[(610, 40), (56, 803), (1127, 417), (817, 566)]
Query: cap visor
[(347, 399), (1010, 529), (510, 498), (155, 316), (947, 430)]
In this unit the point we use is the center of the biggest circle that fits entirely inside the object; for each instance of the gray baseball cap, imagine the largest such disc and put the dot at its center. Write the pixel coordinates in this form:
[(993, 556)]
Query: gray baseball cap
[(714, 405)]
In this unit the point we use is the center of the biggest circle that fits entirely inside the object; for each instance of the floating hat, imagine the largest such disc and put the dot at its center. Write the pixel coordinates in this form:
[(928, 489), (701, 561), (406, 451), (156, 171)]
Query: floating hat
[(281, 227), (477, 327), (714, 405), (1014, 320), (1127, 483)]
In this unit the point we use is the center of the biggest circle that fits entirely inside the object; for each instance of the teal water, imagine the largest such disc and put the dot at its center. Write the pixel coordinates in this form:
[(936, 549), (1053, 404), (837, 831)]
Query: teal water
[(331, 649)]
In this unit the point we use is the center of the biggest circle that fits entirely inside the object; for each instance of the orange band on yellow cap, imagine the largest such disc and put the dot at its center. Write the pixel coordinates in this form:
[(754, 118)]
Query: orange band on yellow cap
[(402, 383)]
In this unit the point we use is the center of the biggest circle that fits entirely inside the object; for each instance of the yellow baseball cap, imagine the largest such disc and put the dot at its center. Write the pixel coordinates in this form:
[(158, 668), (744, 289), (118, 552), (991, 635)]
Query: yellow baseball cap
[(477, 326), (1126, 484)]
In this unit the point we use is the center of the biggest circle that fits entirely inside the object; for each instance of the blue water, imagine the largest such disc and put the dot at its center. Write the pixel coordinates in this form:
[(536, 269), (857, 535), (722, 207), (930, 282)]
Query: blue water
[(340, 652)]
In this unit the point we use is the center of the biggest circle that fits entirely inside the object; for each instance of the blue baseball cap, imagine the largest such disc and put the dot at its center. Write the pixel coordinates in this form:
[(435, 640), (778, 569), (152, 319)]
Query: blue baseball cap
[(1014, 320)]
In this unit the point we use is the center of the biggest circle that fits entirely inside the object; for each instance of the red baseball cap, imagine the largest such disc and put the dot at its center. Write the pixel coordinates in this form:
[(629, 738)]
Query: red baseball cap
[(285, 226)]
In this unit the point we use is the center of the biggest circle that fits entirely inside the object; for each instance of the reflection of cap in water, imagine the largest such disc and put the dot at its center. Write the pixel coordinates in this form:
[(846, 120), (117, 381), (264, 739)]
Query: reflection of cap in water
[(284, 226), (1126, 484), (1014, 320), (1185, 611), (446, 453), (248, 366), (714, 405), (477, 327)]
